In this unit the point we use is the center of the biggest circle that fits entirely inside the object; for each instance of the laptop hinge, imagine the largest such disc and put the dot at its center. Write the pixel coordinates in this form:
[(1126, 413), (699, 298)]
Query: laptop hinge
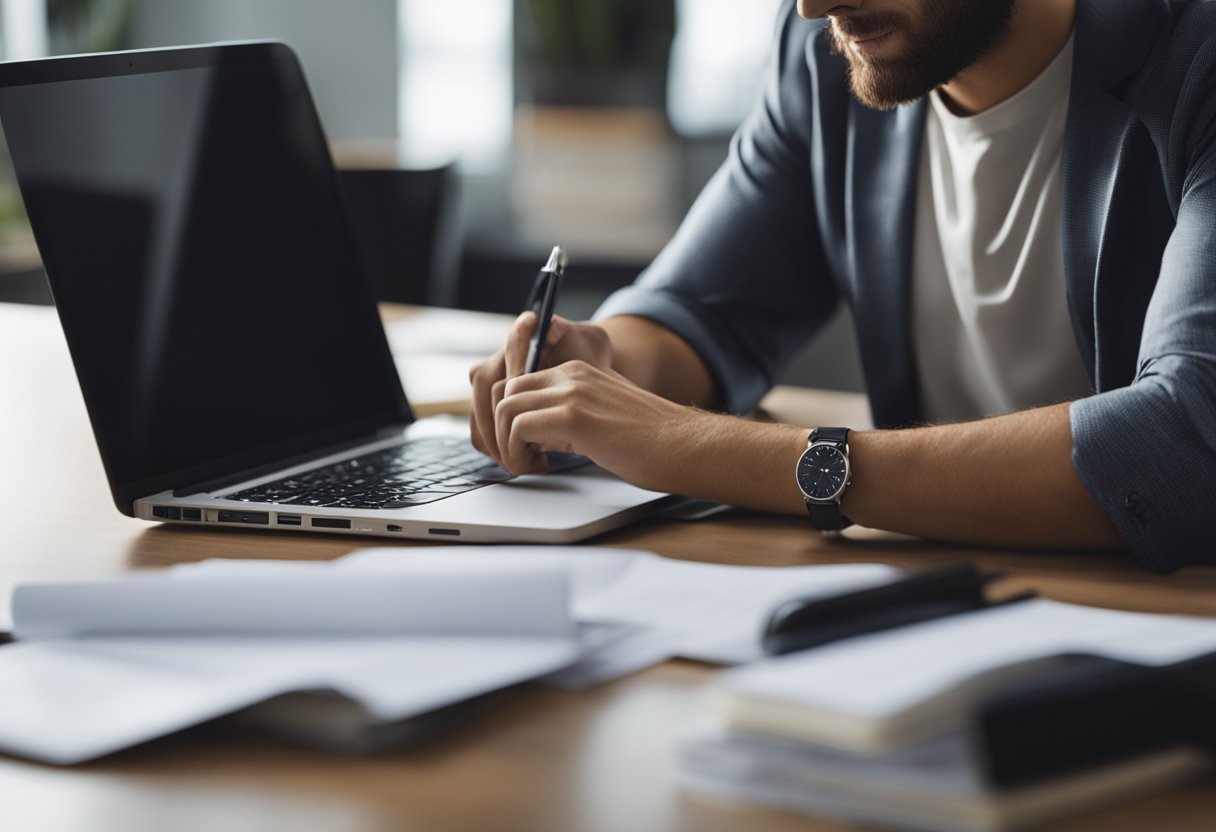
[(278, 465)]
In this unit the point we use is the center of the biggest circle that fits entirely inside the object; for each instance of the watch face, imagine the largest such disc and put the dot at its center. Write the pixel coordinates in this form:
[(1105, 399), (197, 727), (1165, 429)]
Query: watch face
[(822, 472)]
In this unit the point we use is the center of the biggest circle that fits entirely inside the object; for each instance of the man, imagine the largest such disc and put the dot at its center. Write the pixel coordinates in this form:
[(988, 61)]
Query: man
[(1017, 198)]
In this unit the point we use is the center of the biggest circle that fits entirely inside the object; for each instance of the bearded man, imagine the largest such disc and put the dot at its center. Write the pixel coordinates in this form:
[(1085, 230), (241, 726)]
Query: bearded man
[(1017, 200)]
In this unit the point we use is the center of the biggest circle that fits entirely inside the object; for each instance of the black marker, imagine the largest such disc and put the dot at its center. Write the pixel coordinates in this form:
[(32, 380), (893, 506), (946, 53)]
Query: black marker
[(542, 301)]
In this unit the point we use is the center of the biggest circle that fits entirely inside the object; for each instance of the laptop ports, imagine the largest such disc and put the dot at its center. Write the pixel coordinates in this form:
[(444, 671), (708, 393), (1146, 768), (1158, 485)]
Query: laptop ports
[(257, 518), (289, 520), (330, 523)]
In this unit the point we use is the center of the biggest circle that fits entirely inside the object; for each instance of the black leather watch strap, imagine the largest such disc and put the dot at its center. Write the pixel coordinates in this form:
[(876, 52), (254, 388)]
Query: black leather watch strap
[(838, 435), (827, 517)]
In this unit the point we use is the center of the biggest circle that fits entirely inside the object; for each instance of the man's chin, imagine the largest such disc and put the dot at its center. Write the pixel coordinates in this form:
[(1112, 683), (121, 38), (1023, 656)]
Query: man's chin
[(886, 86)]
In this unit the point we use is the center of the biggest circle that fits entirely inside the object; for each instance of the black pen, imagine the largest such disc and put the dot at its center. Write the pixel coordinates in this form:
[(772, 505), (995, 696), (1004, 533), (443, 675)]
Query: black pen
[(542, 301), (921, 596)]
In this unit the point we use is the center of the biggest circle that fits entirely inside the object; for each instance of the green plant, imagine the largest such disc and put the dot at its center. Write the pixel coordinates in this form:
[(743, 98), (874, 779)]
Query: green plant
[(89, 25), (598, 34)]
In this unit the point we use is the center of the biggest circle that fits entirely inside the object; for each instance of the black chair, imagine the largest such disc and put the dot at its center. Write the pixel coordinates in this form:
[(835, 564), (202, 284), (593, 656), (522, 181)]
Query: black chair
[(404, 222)]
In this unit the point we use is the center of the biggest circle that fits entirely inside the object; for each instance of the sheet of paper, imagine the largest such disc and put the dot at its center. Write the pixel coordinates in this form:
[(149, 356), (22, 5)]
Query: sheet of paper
[(400, 631), (421, 597), (435, 348), (590, 569), (701, 611), (707, 612), (450, 331), (70, 701), (435, 382)]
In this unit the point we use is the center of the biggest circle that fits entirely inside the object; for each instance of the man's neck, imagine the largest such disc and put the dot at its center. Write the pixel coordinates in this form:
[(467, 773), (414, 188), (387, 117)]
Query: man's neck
[(1037, 32)]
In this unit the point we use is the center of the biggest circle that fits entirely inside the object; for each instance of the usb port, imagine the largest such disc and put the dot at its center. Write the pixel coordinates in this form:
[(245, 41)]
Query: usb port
[(330, 523), (393, 527), (192, 514), (288, 520)]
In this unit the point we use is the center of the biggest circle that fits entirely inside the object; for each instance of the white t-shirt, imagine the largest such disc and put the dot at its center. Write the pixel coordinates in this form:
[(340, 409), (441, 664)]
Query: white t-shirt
[(990, 322)]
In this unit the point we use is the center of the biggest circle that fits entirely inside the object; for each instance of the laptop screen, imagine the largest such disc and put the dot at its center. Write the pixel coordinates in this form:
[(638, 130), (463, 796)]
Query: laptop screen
[(189, 219)]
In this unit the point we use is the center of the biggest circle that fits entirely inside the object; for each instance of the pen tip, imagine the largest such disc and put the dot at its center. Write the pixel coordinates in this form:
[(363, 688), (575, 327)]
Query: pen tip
[(557, 260)]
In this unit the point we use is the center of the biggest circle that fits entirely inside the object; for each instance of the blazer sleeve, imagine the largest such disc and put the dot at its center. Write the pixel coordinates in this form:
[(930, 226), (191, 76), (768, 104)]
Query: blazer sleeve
[(744, 280), (1147, 452)]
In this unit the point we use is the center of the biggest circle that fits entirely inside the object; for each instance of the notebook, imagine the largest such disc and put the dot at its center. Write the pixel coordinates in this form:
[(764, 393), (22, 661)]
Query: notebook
[(223, 330), (1002, 718), (872, 694)]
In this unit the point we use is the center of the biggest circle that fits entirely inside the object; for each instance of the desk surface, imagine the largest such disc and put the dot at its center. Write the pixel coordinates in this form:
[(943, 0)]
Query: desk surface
[(599, 760)]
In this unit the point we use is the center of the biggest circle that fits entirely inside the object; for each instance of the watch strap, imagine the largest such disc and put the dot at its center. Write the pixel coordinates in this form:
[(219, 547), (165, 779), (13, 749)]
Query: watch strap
[(837, 435), (827, 517)]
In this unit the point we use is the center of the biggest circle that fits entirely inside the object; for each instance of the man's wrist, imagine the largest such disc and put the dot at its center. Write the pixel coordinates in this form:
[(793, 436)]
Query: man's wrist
[(737, 461)]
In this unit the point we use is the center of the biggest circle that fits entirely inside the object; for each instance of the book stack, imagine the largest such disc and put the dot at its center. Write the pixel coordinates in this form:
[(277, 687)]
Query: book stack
[(995, 719)]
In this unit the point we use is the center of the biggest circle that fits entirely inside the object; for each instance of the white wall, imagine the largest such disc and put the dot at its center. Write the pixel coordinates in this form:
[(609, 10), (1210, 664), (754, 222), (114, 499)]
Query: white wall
[(348, 49)]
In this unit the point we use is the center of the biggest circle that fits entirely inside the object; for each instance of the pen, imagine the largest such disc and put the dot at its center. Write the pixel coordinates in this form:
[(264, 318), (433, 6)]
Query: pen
[(921, 596), (542, 301)]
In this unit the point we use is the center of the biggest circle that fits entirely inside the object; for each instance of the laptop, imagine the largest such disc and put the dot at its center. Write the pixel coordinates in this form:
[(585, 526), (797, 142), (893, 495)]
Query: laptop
[(223, 331)]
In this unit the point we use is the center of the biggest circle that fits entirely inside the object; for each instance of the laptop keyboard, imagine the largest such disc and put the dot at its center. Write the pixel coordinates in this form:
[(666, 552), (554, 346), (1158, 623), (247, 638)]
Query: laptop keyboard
[(420, 471)]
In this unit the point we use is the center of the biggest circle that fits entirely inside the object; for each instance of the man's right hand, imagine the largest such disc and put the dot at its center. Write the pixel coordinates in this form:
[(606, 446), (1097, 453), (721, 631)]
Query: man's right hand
[(567, 341)]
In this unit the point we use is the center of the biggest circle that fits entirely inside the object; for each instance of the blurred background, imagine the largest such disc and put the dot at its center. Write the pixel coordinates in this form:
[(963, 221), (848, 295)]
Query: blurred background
[(472, 135)]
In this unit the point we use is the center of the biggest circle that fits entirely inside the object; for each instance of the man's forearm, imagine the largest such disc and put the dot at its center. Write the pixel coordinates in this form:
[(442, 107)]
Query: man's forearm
[(1005, 481), (656, 359)]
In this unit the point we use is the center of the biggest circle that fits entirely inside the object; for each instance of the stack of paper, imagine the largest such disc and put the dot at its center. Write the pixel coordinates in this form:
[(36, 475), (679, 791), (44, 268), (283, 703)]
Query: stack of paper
[(103, 665), (399, 633), (878, 728), (657, 608)]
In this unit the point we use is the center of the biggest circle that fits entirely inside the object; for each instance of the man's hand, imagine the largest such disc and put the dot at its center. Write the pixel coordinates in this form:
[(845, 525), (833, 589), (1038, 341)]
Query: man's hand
[(577, 407), (567, 341)]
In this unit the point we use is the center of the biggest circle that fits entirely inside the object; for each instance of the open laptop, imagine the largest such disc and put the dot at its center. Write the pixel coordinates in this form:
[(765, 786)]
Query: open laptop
[(224, 334)]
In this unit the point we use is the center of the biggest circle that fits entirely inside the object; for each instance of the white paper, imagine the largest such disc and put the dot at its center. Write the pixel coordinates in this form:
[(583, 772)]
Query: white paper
[(399, 630), (106, 664), (435, 348), (70, 701), (701, 611), (420, 598), (450, 331), (590, 569)]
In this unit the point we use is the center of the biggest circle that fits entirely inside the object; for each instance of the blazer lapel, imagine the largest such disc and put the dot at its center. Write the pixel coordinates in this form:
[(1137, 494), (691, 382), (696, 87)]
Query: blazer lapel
[(1112, 40), (880, 204)]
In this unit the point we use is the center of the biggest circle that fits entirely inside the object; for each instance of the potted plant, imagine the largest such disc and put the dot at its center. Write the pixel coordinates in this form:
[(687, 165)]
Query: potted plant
[(593, 53)]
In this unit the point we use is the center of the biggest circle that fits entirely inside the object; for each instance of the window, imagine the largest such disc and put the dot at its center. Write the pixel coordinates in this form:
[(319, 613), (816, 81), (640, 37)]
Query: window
[(455, 91), (23, 24), (717, 60)]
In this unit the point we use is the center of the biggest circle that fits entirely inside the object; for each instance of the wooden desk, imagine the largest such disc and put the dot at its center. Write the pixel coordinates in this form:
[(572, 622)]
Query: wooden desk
[(600, 760)]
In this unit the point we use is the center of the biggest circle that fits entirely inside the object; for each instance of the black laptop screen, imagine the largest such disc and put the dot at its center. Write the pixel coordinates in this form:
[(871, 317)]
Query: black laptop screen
[(189, 220)]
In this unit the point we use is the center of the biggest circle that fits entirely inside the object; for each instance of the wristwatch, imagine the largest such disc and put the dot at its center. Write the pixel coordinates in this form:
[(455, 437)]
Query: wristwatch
[(823, 473)]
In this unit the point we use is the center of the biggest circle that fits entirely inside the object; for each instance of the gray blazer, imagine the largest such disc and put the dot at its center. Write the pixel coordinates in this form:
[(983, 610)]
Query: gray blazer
[(815, 204)]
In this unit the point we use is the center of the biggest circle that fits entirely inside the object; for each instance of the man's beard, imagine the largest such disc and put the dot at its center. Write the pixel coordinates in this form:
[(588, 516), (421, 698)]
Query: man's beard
[(949, 37)]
